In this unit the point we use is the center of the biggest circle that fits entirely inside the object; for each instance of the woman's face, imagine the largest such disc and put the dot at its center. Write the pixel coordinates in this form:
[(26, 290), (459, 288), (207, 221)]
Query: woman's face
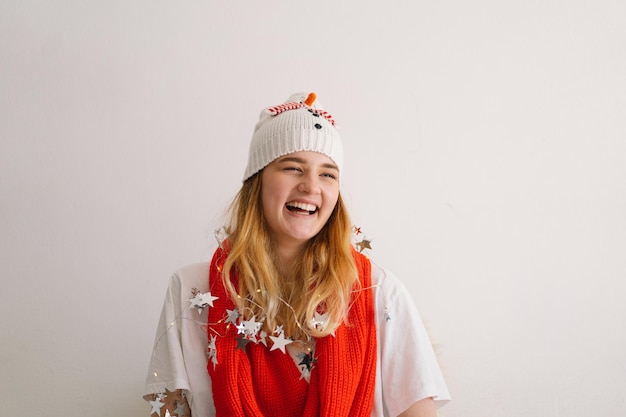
[(299, 192)]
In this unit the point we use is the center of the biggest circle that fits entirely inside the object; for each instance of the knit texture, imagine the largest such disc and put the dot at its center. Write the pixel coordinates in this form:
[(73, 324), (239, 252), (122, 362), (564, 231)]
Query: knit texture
[(258, 382), (295, 127)]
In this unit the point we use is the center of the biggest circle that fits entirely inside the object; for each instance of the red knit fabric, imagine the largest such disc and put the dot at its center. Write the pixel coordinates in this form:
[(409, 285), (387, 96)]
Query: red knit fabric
[(258, 382)]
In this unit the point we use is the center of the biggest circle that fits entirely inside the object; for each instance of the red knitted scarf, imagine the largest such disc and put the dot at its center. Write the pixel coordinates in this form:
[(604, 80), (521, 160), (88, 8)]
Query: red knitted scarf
[(257, 382)]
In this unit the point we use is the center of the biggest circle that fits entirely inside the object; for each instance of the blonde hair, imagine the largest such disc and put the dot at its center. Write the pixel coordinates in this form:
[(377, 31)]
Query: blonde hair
[(322, 280)]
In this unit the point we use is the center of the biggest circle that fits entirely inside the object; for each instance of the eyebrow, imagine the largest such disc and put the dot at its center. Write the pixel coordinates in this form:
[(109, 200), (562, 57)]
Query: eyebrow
[(302, 161)]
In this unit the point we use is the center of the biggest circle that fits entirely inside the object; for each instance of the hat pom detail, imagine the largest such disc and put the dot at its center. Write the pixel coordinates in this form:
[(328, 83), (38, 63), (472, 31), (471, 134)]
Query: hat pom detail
[(310, 99)]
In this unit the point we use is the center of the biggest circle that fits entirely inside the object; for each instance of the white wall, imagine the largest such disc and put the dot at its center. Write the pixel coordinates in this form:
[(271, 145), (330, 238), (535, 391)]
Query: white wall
[(486, 153)]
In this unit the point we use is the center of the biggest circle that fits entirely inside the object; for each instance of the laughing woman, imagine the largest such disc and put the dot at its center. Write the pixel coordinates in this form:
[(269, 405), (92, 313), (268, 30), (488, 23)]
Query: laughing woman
[(297, 321)]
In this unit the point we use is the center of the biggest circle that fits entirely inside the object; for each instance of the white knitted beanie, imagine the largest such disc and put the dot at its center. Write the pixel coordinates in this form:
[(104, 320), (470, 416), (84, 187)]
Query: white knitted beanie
[(300, 124)]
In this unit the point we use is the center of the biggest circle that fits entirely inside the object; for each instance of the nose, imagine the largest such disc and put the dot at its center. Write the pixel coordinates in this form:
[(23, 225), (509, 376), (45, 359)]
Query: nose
[(309, 184)]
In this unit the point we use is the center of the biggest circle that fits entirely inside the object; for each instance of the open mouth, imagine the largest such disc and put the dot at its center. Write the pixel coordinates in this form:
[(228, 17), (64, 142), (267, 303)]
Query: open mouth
[(302, 208)]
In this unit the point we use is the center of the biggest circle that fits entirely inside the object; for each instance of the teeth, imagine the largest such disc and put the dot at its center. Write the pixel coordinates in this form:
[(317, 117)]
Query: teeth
[(302, 206)]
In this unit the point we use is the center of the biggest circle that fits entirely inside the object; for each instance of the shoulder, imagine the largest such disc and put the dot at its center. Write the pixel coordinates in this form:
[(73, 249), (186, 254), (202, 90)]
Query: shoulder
[(191, 276), (193, 270), (383, 278)]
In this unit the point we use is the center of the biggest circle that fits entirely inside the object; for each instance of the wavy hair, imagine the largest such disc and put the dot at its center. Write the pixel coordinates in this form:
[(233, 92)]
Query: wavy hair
[(322, 280)]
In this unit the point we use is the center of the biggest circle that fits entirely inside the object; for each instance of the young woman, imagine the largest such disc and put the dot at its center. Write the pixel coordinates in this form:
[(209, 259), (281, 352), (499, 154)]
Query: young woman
[(297, 321)]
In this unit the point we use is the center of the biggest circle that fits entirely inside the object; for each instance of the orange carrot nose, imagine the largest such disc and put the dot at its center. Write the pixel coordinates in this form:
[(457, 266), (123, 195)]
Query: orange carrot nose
[(310, 99)]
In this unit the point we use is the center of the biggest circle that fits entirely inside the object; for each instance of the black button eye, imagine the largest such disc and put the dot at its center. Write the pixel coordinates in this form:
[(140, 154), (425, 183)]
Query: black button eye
[(318, 126)]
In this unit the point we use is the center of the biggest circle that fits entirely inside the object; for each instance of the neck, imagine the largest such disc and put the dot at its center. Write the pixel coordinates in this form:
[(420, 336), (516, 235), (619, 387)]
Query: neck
[(286, 259)]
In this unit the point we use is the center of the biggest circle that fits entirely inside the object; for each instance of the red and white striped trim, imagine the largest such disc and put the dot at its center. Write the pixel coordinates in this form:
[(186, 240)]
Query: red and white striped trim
[(284, 107), (276, 110), (325, 115)]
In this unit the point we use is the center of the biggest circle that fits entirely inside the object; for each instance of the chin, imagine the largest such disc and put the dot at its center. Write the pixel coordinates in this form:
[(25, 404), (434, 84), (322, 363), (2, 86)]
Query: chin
[(304, 237)]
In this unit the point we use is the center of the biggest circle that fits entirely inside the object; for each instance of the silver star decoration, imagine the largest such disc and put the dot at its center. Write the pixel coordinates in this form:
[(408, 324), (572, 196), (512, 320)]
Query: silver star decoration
[(201, 300), (263, 337), (233, 315), (156, 407), (280, 342), (241, 343), (180, 409), (212, 341), (307, 360), (319, 321), (251, 327), (207, 299), (212, 351), (364, 244), (306, 364), (387, 315), (241, 328), (220, 236), (305, 373)]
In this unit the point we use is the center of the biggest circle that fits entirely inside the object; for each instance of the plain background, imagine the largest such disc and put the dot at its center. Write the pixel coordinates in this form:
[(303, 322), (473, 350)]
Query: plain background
[(485, 160)]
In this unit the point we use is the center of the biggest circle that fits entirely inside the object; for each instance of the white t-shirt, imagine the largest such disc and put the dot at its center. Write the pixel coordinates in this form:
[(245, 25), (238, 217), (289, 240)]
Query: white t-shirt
[(406, 370)]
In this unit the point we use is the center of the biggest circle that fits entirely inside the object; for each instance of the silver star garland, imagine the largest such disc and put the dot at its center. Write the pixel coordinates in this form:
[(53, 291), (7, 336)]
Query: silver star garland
[(201, 300), (251, 330)]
